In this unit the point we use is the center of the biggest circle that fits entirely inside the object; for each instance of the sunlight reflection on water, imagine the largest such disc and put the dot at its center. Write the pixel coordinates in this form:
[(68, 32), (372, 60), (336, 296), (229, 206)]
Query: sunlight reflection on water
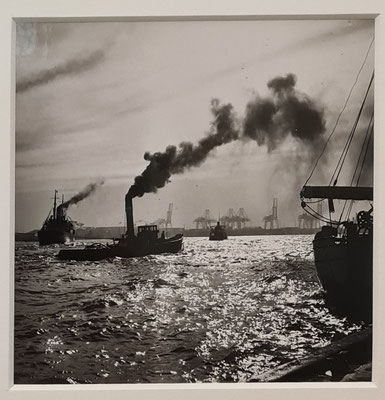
[(217, 311)]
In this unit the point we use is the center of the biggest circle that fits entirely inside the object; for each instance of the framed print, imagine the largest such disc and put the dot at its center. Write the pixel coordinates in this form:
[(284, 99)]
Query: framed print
[(195, 200)]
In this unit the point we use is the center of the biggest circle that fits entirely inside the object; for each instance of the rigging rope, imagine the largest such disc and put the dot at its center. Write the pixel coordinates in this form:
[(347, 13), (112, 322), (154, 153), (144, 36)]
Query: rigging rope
[(343, 157), (366, 152), (320, 217), (364, 147), (339, 116), (350, 138)]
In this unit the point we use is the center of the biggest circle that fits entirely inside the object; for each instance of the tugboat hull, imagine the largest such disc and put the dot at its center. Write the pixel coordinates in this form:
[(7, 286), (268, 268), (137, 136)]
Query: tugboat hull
[(146, 242), (218, 237), (126, 248), (218, 232)]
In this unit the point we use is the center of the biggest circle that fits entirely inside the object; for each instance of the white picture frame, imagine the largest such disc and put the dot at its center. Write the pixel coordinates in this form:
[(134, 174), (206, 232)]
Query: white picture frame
[(123, 10)]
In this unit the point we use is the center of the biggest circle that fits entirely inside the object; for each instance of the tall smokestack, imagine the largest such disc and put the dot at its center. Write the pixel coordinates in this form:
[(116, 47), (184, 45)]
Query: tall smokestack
[(129, 216), (61, 212)]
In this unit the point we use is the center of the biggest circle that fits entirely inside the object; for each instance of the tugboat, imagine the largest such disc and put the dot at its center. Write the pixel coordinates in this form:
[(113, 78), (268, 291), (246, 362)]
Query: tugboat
[(146, 242), (343, 249), (218, 232), (57, 228)]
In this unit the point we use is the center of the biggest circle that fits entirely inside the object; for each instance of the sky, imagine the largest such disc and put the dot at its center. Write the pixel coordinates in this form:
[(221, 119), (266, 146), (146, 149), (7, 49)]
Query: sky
[(92, 98)]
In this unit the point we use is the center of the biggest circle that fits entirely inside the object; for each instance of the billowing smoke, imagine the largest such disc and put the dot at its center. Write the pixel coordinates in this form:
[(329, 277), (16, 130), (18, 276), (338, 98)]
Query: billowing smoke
[(287, 112), (87, 191), (71, 67), (267, 120), (175, 160)]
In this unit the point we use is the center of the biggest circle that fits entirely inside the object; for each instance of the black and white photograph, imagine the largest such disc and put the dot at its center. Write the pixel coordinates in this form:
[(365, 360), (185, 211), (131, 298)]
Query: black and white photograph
[(193, 201)]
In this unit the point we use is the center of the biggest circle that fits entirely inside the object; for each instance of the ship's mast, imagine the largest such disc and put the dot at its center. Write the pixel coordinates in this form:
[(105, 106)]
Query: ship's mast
[(54, 205), (332, 191)]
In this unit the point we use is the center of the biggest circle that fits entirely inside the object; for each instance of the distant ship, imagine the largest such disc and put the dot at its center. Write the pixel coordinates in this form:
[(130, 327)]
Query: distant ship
[(343, 249), (218, 232), (147, 241), (57, 228)]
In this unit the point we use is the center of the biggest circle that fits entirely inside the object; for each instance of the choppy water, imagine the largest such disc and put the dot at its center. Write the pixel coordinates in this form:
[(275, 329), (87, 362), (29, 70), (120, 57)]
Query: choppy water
[(216, 312)]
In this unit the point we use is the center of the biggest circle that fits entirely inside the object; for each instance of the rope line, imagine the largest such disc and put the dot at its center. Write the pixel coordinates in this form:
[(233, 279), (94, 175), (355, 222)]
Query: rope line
[(363, 148), (357, 165), (340, 114), (366, 152), (350, 138)]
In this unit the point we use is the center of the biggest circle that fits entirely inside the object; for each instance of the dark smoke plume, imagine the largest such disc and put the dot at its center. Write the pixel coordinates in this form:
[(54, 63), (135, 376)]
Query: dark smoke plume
[(268, 121), (71, 67), (87, 191), (175, 160), (287, 112)]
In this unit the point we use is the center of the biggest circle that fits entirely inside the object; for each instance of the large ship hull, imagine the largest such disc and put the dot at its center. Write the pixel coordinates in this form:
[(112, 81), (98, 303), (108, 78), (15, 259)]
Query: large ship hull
[(345, 270), (57, 228), (47, 237)]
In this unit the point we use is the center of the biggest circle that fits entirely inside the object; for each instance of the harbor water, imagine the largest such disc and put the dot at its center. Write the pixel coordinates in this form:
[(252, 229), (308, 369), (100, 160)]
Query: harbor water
[(224, 311)]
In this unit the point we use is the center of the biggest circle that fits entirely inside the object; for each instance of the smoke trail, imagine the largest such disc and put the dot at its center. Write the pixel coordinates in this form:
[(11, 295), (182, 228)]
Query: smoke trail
[(71, 67), (87, 191), (287, 112), (176, 160), (268, 121)]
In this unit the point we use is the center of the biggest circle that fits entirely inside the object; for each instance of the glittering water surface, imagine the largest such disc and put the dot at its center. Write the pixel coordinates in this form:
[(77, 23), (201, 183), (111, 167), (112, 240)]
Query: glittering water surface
[(216, 312)]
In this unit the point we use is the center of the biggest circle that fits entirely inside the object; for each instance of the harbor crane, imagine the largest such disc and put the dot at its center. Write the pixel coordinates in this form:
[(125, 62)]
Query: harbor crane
[(273, 217), (204, 221), (235, 220), (169, 215), (165, 223), (307, 221)]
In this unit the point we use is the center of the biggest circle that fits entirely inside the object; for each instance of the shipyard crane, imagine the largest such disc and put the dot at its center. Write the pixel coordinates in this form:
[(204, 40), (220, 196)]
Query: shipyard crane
[(306, 221), (229, 219), (235, 220), (273, 217), (242, 218), (169, 215), (160, 222), (309, 221), (204, 221), (165, 223)]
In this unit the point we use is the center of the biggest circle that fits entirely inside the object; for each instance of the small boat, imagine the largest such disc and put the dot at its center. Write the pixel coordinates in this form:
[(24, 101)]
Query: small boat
[(57, 228), (343, 249), (147, 241), (218, 232)]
